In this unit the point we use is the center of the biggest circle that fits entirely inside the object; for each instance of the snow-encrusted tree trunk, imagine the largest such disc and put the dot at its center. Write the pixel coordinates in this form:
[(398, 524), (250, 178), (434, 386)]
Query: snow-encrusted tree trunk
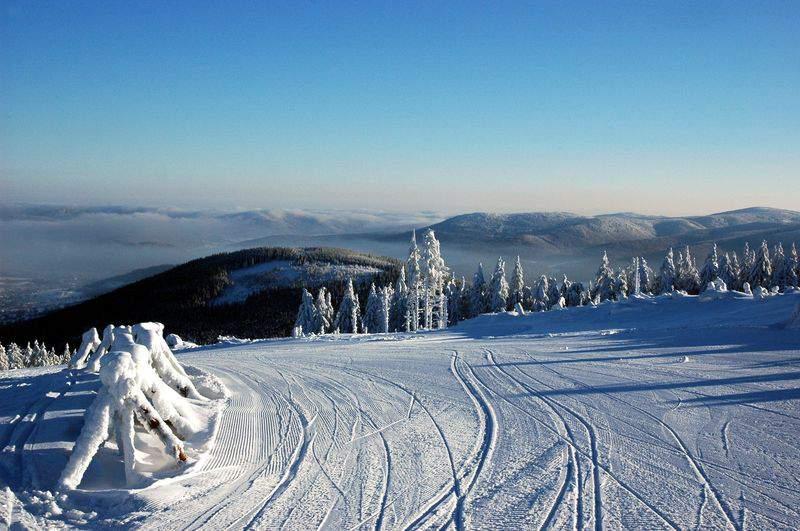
[(93, 365), (89, 342)]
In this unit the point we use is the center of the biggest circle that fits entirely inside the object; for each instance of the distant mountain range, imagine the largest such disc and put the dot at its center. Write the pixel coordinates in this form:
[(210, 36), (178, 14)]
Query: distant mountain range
[(561, 232)]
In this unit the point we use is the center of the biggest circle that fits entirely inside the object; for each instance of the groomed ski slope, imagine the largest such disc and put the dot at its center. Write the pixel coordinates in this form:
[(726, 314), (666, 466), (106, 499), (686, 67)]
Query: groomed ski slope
[(648, 414)]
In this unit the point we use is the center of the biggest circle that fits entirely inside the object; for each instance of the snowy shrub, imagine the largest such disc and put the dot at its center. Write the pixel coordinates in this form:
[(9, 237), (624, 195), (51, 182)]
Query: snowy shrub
[(144, 387), (174, 341)]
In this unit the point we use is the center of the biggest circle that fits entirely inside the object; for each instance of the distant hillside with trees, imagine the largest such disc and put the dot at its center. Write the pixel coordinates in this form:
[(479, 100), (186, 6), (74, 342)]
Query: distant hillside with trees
[(185, 298)]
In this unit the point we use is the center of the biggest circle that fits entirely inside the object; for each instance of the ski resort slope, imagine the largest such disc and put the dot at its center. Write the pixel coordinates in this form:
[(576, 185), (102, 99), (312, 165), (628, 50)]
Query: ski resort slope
[(667, 413)]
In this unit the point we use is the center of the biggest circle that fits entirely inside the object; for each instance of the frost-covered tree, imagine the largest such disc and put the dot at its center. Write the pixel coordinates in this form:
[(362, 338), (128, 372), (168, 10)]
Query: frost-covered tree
[(16, 358), (398, 318), (434, 276), (307, 319), (414, 285), (372, 312), (781, 267), (565, 285), (748, 259), (794, 267), (620, 286), (726, 272), (541, 301), (736, 271), (517, 286), (66, 355), (605, 281), (385, 295), (688, 275), (349, 313), (553, 292), (27, 355), (710, 271), (454, 291), (478, 293), (668, 274), (325, 313), (499, 287), (634, 280), (761, 270), (577, 295), (646, 279), (3, 358)]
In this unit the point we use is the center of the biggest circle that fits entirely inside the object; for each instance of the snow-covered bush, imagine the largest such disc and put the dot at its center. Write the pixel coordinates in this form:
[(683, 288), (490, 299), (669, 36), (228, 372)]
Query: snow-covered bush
[(144, 389)]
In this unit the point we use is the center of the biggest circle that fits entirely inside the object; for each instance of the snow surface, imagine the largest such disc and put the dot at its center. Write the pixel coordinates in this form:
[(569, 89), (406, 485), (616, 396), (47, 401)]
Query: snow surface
[(284, 273), (666, 413)]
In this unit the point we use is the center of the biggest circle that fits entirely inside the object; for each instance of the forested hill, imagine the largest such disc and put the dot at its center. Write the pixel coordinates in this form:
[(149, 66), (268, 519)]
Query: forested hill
[(247, 293)]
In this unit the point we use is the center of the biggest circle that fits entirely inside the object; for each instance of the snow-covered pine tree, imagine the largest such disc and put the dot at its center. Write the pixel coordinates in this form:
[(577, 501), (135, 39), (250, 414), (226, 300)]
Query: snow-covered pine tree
[(399, 311), (668, 274), (761, 270), (65, 356), (27, 355), (748, 258), (691, 276), (553, 292), (780, 268), (605, 281), (517, 287), (726, 271), (620, 285), (349, 314), (434, 275), (453, 291), (464, 300), (371, 322), (307, 316), (645, 277), (541, 302), (577, 295), (736, 270), (499, 287), (794, 267), (386, 295), (637, 281), (710, 271), (565, 286), (414, 285), (16, 357), (325, 313), (478, 293), (3, 358)]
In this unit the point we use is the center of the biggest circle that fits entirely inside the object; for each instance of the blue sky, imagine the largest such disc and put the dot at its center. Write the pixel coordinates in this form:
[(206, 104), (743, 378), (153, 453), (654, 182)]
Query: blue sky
[(661, 107)]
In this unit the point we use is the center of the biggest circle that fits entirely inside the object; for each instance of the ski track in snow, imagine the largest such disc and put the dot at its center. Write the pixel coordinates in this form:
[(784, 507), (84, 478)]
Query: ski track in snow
[(457, 430)]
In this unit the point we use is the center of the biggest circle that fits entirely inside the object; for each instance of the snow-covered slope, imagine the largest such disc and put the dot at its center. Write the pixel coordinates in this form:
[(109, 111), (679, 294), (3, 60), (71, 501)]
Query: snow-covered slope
[(650, 414)]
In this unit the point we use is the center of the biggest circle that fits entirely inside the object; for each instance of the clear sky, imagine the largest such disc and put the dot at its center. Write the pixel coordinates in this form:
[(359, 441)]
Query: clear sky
[(659, 107)]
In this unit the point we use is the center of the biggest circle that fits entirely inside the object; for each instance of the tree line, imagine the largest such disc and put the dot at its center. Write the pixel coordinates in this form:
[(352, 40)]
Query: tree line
[(426, 296)]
